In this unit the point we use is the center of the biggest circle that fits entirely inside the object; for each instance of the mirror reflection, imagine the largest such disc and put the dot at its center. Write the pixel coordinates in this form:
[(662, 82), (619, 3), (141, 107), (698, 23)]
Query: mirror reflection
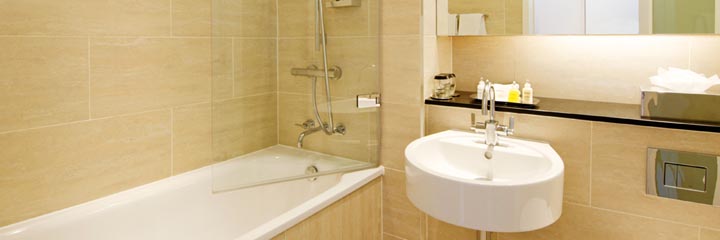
[(576, 17)]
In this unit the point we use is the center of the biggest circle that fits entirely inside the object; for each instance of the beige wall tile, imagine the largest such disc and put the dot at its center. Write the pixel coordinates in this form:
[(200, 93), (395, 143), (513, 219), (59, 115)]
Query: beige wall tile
[(222, 68), (579, 222), (255, 66), (400, 126), (401, 63), (619, 169), (295, 53), (244, 18), (597, 68), (48, 169), (488, 57), (400, 217), (439, 118), (439, 230), (400, 17), (243, 125), (702, 55), (192, 17), (296, 18), (358, 58), (350, 21), (361, 213), (594, 68), (192, 140), (140, 74), (43, 81), (707, 234), (85, 17)]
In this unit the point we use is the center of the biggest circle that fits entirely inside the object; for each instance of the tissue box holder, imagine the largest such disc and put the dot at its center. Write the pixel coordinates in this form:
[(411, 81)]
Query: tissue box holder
[(684, 107)]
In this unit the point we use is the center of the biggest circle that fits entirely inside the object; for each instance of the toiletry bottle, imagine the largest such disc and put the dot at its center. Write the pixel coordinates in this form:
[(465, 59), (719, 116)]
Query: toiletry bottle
[(480, 87), (514, 94), (527, 93)]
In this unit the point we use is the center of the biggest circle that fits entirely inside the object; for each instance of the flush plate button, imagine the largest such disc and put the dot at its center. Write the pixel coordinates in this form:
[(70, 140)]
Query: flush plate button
[(683, 175)]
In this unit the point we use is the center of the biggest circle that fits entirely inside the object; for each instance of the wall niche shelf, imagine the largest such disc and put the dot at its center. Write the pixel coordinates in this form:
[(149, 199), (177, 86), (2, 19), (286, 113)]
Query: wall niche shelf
[(581, 110)]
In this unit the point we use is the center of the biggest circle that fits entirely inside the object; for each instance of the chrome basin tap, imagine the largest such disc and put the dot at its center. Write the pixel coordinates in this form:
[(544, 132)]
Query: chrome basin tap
[(490, 127)]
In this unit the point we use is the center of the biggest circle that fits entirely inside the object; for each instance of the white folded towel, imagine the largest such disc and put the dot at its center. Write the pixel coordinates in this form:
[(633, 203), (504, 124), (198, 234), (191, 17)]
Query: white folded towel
[(472, 24), (452, 24)]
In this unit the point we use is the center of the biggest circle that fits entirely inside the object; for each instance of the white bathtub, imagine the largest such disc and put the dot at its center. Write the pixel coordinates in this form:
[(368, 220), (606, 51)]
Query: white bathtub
[(184, 206)]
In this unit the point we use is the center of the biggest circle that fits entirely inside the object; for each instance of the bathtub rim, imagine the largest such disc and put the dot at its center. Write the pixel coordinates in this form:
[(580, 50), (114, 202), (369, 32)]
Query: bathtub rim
[(349, 183)]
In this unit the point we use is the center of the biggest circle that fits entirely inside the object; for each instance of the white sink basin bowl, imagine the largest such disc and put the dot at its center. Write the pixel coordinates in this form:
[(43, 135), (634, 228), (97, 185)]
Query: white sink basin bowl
[(447, 178)]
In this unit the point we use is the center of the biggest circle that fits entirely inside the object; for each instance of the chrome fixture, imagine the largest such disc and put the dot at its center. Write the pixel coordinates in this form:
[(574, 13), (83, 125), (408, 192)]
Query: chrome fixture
[(371, 100), (490, 126), (335, 72), (312, 169), (310, 128), (344, 3), (685, 176)]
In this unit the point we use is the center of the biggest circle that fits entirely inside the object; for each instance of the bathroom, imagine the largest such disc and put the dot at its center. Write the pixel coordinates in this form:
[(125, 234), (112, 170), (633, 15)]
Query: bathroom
[(290, 119)]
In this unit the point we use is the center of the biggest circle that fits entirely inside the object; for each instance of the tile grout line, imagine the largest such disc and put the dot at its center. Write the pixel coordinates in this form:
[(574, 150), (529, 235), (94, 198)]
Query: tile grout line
[(633, 214), (89, 92), (172, 140), (592, 129), (232, 65)]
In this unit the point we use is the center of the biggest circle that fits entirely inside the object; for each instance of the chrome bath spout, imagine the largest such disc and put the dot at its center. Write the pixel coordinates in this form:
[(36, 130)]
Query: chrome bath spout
[(302, 135)]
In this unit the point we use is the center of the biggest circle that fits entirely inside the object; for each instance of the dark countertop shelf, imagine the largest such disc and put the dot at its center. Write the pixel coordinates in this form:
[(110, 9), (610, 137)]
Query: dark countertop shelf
[(582, 110)]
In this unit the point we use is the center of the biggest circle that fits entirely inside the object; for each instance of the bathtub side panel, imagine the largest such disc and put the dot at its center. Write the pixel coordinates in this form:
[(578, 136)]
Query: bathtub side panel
[(356, 216)]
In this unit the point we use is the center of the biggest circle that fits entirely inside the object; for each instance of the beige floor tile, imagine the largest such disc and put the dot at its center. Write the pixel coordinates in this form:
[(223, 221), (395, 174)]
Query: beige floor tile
[(52, 168), (255, 66), (579, 222), (400, 217), (140, 74), (243, 125), (192, 17), (86, 17), (619, 171), (192, 139), (439, 230), (44, 81)]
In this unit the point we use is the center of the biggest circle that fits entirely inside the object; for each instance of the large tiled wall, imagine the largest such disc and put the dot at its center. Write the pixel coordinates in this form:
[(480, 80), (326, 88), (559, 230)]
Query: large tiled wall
[(102, 96), (594, 68), (352, 45), (604, 194)]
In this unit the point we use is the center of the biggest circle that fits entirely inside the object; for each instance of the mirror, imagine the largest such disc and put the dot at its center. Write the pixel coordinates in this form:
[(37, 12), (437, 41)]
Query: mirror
[(576, 17)]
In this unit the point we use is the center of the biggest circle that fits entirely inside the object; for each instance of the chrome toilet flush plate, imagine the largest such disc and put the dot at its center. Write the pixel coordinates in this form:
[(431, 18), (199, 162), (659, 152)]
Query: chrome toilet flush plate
[(683, 176)]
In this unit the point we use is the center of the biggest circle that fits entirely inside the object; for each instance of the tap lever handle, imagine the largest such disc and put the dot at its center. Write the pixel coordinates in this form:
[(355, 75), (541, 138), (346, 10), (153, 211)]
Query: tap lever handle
[(512, 123), (307, 124)]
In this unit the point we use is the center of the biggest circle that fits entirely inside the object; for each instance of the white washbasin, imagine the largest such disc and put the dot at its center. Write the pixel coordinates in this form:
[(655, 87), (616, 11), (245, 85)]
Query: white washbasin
[(447, 178)]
